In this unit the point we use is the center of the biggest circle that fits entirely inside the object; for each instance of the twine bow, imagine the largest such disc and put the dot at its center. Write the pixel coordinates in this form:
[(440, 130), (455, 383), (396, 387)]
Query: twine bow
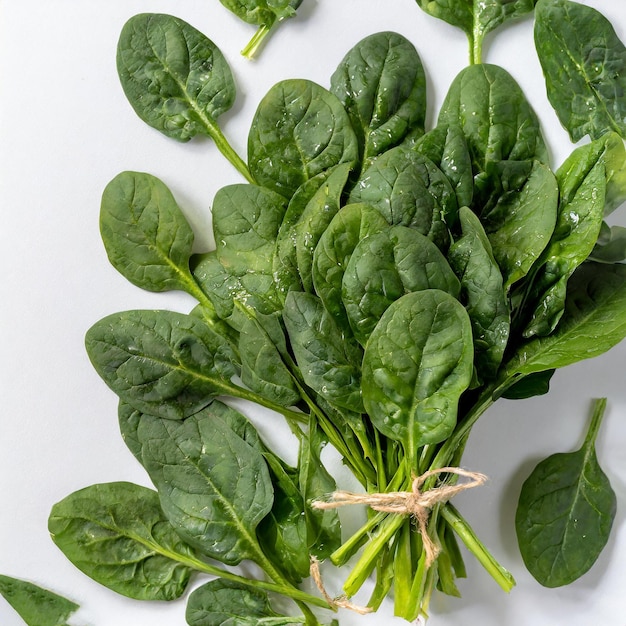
[(414, 502)]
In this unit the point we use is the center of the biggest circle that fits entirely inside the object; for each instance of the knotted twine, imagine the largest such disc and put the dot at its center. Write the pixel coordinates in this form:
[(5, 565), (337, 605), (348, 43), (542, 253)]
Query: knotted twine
[(415, 502)]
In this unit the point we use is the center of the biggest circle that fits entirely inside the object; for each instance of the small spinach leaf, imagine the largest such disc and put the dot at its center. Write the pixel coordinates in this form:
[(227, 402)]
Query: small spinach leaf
[(536, 384), (565, 512), (35, 605), (611, 245), (418, 361), (381, 83), (299, 130), (117, 534), (584, 63)]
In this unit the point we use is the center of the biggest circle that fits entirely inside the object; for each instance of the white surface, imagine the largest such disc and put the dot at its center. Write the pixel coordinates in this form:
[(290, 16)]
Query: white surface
[(65, 131)]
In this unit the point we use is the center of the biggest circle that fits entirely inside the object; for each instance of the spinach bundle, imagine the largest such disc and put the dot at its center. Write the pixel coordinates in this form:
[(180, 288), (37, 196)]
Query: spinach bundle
[(375, 283)]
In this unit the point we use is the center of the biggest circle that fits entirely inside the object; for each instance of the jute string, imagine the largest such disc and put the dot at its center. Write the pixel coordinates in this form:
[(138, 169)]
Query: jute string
[(414, 502)]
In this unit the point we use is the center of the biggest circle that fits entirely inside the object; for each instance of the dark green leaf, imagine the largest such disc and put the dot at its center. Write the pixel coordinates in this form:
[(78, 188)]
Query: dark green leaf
[(584, 63), (213, 482), (418, 361), (565, 513), (386, 265), (146, 236), (536, 384), (117, 534), (334, 249), (35, 605), (611, 245), (161, 362), (482, 292), (328, 360), (262, 12), (382, 85), (174, 77), (410, 190), (299, 130)]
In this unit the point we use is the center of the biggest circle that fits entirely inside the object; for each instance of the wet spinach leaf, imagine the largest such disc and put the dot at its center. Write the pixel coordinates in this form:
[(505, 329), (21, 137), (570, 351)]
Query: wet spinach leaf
[(565, 512), (584, 64), (35, 605)]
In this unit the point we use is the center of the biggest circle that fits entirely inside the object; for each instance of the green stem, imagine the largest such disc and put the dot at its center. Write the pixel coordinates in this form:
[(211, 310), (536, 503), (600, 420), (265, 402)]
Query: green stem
[(476, 44), (257, 40), (599, 407), (476, 547)]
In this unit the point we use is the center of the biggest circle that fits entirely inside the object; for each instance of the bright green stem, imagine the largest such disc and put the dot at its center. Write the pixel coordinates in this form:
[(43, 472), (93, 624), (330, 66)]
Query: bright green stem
[(257, 40), (476, 547), (599, 407), (476, 44)]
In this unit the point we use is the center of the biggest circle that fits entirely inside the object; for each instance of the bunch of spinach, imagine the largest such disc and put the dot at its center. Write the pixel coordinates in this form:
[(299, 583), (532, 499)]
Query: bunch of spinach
[(376, 283)]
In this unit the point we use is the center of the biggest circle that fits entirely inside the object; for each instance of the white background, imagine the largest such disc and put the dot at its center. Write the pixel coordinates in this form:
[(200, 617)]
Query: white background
[(65, 131)]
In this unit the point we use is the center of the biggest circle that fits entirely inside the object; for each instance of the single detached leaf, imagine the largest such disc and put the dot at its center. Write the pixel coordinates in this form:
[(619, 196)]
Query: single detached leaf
[(117, 534), (224, 603), (213, 482), (35, 605), (146, 236), (584, 63), (565, 512), (386, 265), (161, 362), (418, 361), (381, 83), (299, 130), (262, 12), (176, 79)]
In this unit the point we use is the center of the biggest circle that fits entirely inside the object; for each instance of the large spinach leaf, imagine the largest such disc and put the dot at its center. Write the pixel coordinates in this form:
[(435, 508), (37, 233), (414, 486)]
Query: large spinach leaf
[(299, 130), (381, 83), (565, 512), (418, 361), (584, 63), (117, 534)]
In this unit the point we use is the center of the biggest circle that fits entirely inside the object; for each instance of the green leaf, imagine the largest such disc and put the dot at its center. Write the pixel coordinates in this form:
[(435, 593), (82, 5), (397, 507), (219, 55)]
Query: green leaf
[(213, 499), (176, 79), (409, 190), (593, 322), (299, 130), (417, 362), (477, 19), (117, 534), (565, 512), (584, 64), (381, 83), (262, 12), (482, 292), (386, 265), (537, 384), (146, 236), (35, 605), (224, 603), (334, 249), (161, 362), (328, 360), (521, 223), (611, 245)]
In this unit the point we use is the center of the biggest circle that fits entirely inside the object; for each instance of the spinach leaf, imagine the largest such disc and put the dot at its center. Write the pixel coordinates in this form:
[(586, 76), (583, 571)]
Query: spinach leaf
[(334, 249), (381, 83), (386, 265), (224, 603), (176, 79), (35, 605), (328, 360), (117, 534), (521, 223), (446, 147), (579, 219), (593, 322), (584, 63), (161, 362), (482, 292), (409, 189), (212, 499), (536, 384), (565, 512), (146, 236), (299, 130), (611, 245), (418, 361), (477, 19), (497, 120)]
